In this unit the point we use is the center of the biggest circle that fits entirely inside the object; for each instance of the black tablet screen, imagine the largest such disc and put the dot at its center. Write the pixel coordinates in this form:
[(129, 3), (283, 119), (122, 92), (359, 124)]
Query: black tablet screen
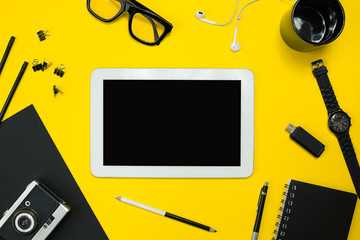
[(172, 122)]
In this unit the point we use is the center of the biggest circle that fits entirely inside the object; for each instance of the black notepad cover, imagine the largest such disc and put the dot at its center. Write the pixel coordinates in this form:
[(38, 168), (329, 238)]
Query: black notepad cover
[(27, 152), (313, 212)]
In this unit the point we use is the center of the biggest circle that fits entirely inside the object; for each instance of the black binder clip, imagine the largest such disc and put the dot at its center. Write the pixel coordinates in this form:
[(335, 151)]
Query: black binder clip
[(45, 65), (56, 90), (37, 66), (59, 70), (42, 35)]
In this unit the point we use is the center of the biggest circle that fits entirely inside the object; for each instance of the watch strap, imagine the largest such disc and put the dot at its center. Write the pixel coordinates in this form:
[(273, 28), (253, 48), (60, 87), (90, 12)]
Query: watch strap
[(350, 159), (327, 92)]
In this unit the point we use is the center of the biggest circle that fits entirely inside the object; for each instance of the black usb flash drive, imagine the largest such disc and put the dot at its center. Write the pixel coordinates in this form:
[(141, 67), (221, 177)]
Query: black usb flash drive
[(306, 140)]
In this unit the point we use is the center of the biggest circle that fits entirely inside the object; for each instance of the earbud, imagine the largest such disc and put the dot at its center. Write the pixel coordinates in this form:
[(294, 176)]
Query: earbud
[(200, 15), (235, 46)]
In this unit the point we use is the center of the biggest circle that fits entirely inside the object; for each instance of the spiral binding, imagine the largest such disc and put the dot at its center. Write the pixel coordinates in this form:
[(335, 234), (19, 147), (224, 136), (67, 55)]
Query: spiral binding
[(285, 211)]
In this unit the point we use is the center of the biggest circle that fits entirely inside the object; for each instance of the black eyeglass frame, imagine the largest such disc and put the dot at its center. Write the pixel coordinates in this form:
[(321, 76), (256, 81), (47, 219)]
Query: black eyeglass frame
[(133, 7)]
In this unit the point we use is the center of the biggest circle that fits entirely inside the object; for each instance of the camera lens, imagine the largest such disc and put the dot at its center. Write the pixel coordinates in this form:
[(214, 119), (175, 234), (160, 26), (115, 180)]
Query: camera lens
[(25, 221)]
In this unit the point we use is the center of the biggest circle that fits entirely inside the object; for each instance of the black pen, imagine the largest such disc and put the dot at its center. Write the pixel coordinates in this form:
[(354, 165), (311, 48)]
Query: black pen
[(12, 92), (6, 54), (259, 210)]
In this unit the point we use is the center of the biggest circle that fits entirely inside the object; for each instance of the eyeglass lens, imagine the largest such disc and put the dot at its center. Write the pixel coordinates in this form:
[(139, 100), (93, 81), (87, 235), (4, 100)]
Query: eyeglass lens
[(106, 9), (146, 28)]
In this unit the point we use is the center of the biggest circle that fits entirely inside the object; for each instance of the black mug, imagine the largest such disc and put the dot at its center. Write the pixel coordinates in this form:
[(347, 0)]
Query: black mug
[(312, 23)]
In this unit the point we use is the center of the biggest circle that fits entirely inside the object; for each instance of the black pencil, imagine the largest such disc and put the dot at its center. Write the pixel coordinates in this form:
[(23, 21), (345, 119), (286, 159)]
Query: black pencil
[(166, 214), (6, 54), (12, 92)]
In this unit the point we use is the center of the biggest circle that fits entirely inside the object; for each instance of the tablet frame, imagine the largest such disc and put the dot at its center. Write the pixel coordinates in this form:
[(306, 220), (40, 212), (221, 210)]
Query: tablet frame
[(247, 123)]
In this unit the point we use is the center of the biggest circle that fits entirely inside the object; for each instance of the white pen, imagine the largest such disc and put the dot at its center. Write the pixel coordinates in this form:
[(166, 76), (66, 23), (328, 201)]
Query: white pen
[(165, 214)]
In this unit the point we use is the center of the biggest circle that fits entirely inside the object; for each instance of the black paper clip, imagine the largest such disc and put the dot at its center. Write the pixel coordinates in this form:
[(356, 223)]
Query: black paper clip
[(42, 35), (59, 70), (56, 90), (45, 65), (37, 66)]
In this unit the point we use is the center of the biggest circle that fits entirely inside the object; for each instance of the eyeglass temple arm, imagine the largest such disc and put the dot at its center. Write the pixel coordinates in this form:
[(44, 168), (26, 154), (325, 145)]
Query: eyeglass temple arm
[(156, 35)]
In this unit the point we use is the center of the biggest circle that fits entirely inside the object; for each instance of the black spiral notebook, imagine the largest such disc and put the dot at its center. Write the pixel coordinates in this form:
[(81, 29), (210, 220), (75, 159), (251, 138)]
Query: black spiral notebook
[(313, 212)]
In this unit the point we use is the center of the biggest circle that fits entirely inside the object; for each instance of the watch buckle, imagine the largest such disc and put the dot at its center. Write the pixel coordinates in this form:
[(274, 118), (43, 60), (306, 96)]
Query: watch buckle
[(317, 64)]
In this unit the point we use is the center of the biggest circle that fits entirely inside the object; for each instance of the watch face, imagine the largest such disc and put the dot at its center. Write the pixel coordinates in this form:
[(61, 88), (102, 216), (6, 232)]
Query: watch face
[(339, 122)]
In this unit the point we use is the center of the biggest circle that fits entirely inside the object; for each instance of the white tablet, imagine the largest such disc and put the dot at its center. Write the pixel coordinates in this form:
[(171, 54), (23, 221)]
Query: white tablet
[(172, 123)]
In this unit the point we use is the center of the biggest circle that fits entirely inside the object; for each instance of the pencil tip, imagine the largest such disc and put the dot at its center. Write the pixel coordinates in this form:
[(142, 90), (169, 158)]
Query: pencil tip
[(212, 230), (118, 198)]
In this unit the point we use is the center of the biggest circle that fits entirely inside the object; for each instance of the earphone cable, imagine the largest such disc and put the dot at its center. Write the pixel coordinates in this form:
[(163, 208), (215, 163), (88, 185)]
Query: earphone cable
[(223, 24), (239, 16)]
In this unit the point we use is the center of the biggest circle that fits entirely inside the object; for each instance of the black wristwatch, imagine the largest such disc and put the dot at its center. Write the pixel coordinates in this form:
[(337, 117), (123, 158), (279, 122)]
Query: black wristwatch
[(339, 122)]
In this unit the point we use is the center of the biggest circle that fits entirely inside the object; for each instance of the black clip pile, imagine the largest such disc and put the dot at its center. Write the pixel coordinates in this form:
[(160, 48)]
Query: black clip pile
[(40, 66), (37, 66), (42, 35), (59, 70)]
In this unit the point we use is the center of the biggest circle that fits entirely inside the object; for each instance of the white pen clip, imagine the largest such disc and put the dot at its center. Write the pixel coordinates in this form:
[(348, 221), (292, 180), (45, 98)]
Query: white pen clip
[(262, 192), (257, 207)]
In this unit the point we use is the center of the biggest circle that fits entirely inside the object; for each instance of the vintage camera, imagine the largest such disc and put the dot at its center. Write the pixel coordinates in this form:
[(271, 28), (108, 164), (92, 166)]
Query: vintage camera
[(34, 215)]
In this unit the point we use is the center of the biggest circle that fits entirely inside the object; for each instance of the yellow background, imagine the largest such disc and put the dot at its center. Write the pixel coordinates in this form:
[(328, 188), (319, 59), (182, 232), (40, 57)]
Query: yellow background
[(285, 92)]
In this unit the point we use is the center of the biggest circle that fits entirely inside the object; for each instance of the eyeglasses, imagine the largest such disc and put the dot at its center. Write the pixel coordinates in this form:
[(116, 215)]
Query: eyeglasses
[(145, 25)]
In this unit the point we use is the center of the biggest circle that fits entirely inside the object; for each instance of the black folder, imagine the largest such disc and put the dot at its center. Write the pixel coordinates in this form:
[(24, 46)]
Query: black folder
[(314, 212), (27, 152)]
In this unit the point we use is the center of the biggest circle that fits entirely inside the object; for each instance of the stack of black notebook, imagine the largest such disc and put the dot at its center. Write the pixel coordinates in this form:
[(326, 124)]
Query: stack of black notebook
[(311, 212)]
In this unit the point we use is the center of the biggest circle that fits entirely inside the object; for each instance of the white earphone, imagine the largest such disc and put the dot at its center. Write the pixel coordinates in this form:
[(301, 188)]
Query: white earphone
[(201, 16), (234, 46)]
